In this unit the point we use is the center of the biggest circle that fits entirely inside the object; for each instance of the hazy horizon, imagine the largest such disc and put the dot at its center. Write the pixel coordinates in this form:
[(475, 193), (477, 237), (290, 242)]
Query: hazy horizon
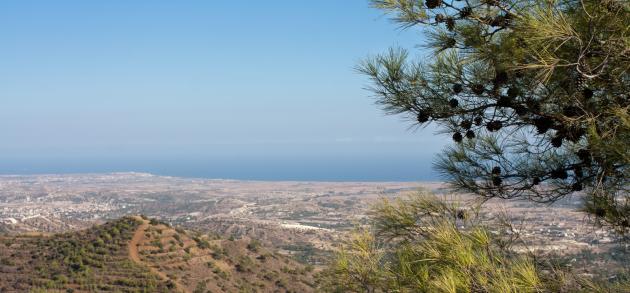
[(403, 170)]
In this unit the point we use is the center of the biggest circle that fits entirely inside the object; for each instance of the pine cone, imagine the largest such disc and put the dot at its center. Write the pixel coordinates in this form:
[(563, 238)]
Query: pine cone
[(559, 174), (498, 21), (439, 18), (533, 105), (431, 4), (580, 82), (450, 43), (500, 77), (450, 24), (543, 124), (520, 110), (497, 181), (504, 101), (457, 137), (587, 93), (494, 126), (496, 170), (477, 89), (465, 12), (457, 88), (470, 134), (498, 125), (490, 126), (584, 155), (453, 103), (423, 116), (556, 142)]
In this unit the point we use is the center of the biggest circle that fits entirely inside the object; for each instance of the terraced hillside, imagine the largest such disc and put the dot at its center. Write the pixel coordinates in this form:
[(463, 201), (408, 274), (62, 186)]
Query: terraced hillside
[(134, 254), (96, 259), (202, 263)]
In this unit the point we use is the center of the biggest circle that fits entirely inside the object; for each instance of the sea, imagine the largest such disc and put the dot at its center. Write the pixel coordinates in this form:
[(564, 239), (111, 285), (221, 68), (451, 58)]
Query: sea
[(372, 169)]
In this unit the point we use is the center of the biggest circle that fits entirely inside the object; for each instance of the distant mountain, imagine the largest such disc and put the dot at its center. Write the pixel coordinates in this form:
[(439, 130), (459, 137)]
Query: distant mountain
[(135, 254)]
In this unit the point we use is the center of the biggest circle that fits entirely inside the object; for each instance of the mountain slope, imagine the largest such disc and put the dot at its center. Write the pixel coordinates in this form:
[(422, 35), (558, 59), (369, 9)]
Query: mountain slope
[(134, 254), (95, 259)]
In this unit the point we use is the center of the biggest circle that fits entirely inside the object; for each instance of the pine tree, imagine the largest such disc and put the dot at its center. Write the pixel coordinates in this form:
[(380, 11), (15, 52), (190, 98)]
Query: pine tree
[(537, 88), (424, 244)]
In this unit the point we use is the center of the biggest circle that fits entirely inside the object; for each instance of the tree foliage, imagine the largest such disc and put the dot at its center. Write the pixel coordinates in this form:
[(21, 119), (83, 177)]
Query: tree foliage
[(535, 93), (424, 244)]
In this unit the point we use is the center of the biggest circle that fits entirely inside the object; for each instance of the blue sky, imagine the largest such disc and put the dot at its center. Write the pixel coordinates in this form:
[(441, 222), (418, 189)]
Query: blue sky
[(85, 84)]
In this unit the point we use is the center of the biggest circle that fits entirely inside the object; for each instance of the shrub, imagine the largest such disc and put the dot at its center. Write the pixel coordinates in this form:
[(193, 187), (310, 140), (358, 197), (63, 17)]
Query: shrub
[(420, 245), (253, 245), (201, 287)]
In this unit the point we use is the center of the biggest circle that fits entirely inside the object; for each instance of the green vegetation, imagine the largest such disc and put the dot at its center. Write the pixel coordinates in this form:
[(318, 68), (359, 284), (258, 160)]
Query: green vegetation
[(92, 260), (423, 244), (535, 93), (253, 245), (201, 243), (201, 287), (307, 253), (128, 255)]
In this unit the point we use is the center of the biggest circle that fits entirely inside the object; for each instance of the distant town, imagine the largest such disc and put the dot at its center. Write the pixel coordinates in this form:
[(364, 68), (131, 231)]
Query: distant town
[(302, 219)]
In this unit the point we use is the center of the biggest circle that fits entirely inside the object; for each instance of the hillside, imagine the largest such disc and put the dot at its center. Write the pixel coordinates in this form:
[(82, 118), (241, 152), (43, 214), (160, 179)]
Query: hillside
[(135, 254)]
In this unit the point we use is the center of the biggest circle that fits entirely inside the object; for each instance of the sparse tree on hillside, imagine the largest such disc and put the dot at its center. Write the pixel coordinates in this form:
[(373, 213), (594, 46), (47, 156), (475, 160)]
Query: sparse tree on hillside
[(535, 94)]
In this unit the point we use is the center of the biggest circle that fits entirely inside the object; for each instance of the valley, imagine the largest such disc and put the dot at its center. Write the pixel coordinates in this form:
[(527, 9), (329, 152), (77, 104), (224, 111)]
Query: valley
[(304, 221)]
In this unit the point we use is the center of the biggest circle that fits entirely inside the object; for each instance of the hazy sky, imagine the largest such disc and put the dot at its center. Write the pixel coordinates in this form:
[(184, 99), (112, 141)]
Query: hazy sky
[(85, 81)]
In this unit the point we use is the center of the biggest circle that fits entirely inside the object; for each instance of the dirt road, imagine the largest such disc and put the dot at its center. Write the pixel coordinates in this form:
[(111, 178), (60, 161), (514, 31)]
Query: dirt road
[(137, 238)]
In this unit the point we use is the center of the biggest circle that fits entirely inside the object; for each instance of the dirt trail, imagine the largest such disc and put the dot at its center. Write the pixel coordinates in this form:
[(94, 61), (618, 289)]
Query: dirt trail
[(138, 236)]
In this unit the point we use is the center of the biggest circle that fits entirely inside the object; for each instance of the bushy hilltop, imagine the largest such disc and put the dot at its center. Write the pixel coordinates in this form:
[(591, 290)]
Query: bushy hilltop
[(95, 259), (207, 263), (135, 254)]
